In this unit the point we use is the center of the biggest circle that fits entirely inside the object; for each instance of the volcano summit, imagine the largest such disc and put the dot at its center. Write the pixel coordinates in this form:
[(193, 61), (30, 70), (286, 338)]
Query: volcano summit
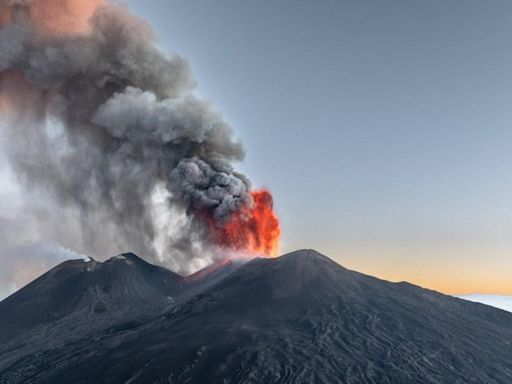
[(298, 318)]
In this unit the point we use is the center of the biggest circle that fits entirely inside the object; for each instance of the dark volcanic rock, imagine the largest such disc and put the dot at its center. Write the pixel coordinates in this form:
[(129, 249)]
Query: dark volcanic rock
[(300, 318), (78, 298), (124, 283)]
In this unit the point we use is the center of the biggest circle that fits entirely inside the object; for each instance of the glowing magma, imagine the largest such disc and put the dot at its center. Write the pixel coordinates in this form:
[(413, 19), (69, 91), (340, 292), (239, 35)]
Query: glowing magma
[(254, 230)]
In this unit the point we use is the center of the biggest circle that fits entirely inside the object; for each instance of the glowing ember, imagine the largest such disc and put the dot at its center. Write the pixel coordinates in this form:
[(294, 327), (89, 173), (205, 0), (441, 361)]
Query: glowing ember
[(254, 230)]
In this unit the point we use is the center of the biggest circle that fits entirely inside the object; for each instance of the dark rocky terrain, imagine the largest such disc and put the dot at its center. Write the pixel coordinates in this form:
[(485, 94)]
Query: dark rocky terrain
[(300, 318)]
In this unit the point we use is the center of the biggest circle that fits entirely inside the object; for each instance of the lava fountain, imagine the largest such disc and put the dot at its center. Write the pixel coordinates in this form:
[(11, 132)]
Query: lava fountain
[(254, 230)]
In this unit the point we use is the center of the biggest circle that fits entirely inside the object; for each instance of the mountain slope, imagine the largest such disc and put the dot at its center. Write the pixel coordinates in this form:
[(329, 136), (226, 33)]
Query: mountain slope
[(122, 283), (300, 318), (77, 298)]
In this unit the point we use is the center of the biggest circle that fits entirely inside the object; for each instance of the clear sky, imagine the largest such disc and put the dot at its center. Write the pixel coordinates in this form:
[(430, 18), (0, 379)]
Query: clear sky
[(384, 129)]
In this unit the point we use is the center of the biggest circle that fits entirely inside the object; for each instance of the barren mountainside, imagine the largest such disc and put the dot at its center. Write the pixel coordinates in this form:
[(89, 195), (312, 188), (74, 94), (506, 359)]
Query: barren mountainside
[(299, 318)]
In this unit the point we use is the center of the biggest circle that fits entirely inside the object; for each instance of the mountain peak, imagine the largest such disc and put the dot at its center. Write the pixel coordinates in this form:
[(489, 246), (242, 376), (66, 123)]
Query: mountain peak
[(79, 289), (128, 258), (307, 254), (305, 264), (296, 318)]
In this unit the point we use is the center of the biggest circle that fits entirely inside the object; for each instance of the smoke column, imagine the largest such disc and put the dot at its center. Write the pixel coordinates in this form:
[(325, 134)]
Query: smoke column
[(100, 121)]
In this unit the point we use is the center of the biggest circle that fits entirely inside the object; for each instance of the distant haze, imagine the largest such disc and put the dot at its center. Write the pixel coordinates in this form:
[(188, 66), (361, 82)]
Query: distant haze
[(502, 302)]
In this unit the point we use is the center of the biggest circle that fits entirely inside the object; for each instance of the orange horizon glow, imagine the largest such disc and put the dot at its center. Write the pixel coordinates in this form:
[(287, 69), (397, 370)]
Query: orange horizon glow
[(448, 284), (452, 269)]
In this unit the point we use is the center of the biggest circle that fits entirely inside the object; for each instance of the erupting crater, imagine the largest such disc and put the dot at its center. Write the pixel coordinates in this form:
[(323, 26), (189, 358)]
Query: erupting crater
[(254, 229)]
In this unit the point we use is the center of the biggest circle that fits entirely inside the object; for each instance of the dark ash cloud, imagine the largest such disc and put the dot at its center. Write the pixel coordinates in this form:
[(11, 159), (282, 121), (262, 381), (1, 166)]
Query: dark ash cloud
[(100, 122)]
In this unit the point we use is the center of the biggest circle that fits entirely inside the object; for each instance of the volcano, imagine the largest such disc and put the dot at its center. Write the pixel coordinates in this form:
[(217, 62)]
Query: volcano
[(298, 318)]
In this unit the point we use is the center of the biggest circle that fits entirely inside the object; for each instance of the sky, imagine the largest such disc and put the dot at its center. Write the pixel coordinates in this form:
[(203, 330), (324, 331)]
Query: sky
[(383, 129)]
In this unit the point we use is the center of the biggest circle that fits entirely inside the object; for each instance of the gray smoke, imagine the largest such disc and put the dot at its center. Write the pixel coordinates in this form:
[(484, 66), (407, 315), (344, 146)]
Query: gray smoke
[(213, 186), (100, 121)]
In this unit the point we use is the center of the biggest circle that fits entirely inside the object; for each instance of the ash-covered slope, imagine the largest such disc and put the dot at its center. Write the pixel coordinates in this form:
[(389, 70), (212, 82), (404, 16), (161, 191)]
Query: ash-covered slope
[(78, 298), (300, 318)]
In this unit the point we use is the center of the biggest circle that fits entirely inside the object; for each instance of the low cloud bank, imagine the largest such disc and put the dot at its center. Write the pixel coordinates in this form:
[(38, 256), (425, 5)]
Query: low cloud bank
[(502, 302)]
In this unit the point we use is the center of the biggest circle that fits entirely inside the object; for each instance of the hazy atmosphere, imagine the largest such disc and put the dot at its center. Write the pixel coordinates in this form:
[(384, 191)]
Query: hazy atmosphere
[(383, 130)]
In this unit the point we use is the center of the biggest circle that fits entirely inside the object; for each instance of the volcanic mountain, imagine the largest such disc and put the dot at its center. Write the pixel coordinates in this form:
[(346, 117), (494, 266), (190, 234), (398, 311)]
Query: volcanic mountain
[(299, 318)]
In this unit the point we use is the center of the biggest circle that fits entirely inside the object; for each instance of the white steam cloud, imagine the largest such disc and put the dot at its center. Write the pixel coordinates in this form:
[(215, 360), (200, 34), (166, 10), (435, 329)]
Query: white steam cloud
[(100, 121)]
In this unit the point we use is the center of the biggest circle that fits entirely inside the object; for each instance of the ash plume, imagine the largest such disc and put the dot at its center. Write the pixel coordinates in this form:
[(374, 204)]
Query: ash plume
[(99, 120)]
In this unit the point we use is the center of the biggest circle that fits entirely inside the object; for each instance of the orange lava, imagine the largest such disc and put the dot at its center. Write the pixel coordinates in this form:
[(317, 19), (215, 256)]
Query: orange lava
[(253, 230)]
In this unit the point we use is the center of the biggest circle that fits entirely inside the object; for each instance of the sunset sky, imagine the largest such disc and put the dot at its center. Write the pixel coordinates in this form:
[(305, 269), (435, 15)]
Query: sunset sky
[(383, 129)]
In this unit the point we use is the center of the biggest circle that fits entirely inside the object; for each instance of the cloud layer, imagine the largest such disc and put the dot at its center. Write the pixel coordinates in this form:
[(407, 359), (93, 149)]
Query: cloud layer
[(502, 302)]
